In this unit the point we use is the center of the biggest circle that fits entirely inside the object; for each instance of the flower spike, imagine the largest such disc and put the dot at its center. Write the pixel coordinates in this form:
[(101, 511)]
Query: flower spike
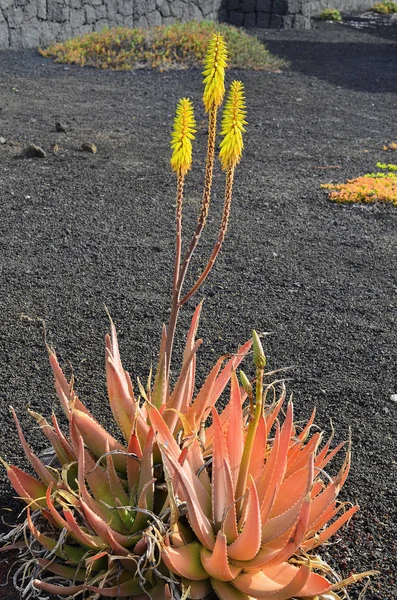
[(233, 121), (183, 133), (214, 73)]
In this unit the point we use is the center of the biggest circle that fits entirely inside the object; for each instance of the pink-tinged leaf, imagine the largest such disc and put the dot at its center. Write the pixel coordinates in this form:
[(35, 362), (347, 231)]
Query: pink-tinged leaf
[(182, 394), (330, 531), (296, 538), (216, 563), (124, 407), (235, 437), (97, 439), (323, 459), (62, 570), (276, 526), (130, 587), (302, 437), (259, 450), (248, 542), (198, 589), (64, 389), (279, 586), (301, 458), (272, 416), (28, 488), (51, 435), (203, 401), (197, 465), (230, 366), (45, 475), (199, 522), (133, 465), (227, 591), (119, 494), (67, 448), (314, 586), (162, 431), (290, 491), (184, 561), (265, 555), (91, 541), (105, 532), (57, 590), (223, 505), (73, 554), (275, 467)]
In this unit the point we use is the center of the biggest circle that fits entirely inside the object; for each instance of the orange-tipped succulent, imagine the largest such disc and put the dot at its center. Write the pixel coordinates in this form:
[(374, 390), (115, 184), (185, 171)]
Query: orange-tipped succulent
[(181, 508)]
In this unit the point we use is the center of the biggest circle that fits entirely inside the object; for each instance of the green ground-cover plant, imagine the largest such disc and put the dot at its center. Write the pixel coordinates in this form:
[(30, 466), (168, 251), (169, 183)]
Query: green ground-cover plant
[(380, 186), (232, 508), (179, 45), (384, 8), (331, 14)]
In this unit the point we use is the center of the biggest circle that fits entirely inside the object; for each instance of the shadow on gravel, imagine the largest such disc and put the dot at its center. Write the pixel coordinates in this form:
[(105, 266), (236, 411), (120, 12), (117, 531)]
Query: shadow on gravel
[(364, 66)]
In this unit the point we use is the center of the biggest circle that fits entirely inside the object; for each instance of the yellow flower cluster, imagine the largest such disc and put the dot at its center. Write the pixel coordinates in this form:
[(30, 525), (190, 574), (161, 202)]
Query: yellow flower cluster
[(233, 121), (183, 133), (214, 73)]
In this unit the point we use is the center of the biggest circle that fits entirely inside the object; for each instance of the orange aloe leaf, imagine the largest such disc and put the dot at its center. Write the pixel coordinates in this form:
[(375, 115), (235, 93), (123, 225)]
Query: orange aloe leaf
[(57, 590), (223, 505), (119, 494), (235, 438), (91, 541), (330, 531), (73, 554), (199, 522), (52, 437), (301, 457), (216, 563), (258, 450), (290, 491), (123, 589), (67, 448), (29, 489), (105, 532), (226, 591), (315, 584), (276, 526), (96, 438), (203, 401), (124, 407), (62, 570), (63, 388), (277, 587), (184, 561), (45, 475), (248, 542), (198, 589), (323, 460), (133, 465)]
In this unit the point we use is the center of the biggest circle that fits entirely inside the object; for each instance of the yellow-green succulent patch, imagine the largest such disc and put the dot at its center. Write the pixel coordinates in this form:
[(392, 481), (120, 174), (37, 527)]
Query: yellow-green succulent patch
[(380, 186), (180, 45)]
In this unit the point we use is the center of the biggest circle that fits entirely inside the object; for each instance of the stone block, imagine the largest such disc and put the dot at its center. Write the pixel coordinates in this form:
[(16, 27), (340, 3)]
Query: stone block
[(30, 12), (301, 22), (154, 18), (49, 33), (4, 36), (77, 18), (280, 7), (76, 4), (262, 20), (248, 6), (236, 18), (250, 20), (276, 22), (14, 16), (4, 4), (264, 6), (295, 6), (77, 31), (126, 8), (111, 10), (142, 22), (206, 7), (101, 24), (164, 9), (288, 21), (234, 4), (306, 9), (42, 9), (194, 13), (100, 12), (93, 2), (176, 9), (15, 38), (90, 16), (2, 17), (142, 7)]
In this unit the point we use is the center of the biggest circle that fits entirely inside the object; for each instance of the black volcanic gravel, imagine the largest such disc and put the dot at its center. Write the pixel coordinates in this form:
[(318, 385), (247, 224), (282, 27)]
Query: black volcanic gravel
[(80, 230)]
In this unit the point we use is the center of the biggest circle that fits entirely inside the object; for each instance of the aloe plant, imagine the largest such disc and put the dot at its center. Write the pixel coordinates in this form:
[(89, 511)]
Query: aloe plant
[(185, 507)]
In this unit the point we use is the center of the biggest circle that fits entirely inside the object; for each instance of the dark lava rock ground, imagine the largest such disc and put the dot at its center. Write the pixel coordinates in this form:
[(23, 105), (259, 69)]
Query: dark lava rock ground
[(80, 230)]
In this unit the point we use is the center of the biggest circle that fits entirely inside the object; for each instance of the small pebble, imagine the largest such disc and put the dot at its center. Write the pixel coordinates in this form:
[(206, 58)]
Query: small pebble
[(393, 397), (60, 127), (32, 151), (2, 140), (88, 147)]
